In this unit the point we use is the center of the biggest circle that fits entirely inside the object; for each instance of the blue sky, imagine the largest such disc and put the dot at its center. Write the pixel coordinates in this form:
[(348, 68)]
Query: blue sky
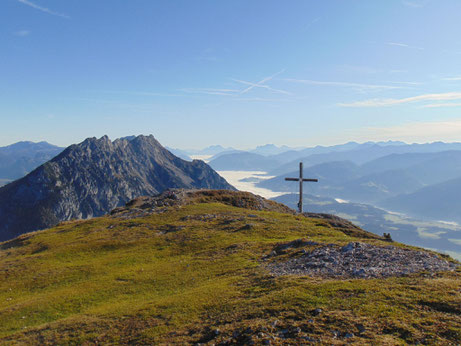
[(238, 73)]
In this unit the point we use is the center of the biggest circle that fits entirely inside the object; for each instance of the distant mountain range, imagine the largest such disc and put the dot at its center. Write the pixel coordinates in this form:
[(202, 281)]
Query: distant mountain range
[(18, 159), (211, 150), (425, 185), (217, 150), (93, 177), (284, 162), (418, 179)]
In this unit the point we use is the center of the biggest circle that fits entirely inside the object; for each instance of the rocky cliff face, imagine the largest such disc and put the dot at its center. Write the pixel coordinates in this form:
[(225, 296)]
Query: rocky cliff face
[(91, 178)]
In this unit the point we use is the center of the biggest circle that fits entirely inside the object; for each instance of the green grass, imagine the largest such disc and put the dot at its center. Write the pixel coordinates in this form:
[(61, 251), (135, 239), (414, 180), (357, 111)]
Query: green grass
[(121, 281)]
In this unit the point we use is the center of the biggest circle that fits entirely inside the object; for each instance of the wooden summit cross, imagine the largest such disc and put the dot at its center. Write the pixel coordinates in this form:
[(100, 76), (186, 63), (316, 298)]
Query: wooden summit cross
[(301, 180)]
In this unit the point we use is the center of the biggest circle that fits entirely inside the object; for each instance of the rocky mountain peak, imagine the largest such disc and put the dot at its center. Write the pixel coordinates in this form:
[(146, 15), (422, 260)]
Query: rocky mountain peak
[(91, 178)]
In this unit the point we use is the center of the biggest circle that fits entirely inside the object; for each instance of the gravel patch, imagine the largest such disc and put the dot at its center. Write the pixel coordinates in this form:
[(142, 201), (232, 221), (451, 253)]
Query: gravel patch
[(361, 260)]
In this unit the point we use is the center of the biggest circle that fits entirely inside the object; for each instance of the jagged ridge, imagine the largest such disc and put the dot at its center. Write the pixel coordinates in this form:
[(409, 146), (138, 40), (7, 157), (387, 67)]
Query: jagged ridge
[(91, 178)]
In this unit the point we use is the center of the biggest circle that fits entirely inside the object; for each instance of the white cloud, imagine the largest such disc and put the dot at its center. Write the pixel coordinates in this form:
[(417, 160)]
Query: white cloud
[(138, 93), (392, 102), (414, 132), (209, 91), (22, 33), (406, 83), (43, 9), (404, 45), (456, 241), (238, 93), (441, 105), (311, 23), (261, 84), (458, 78), (358, 86)]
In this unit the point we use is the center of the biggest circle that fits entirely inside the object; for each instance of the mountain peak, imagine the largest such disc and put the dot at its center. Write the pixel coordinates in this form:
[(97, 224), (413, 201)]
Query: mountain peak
[(91, 178)]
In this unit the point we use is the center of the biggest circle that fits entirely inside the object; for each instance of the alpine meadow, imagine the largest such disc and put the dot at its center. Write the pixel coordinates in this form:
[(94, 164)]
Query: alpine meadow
[(230, 172)]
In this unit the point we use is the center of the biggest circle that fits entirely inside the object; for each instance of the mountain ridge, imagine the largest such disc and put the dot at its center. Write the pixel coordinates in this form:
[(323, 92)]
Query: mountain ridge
[(91, 178)]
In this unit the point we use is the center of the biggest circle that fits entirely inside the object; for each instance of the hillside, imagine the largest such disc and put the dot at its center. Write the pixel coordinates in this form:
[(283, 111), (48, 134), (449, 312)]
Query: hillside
[(439, 202), (222, 267), (91, 178)]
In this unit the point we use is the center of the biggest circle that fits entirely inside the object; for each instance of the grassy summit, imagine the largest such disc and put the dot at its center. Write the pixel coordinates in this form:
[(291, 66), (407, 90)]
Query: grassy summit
[(194, 269)]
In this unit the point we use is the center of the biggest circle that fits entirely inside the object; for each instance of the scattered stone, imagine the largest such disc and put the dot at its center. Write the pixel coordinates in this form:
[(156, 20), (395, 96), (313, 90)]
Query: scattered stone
[(360, 328), (170, 228), (360, 260), (348, 247), (246, 227), (248, 330), (308, 338), (204, 217), (317, 312), (282, 248)]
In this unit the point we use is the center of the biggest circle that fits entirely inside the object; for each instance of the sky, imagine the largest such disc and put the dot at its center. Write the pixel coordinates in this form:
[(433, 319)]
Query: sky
[(237, 73)]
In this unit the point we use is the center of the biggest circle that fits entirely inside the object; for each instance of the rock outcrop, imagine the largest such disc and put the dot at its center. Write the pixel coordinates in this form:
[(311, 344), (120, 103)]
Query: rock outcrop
[(146, 205), (92, 178)]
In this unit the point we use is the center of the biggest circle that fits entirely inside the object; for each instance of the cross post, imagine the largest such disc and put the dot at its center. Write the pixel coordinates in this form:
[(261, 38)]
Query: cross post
[(301, 180)]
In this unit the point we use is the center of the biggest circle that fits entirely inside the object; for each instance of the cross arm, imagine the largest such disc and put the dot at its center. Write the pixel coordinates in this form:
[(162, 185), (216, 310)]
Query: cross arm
[(292, 179), (314, 180)]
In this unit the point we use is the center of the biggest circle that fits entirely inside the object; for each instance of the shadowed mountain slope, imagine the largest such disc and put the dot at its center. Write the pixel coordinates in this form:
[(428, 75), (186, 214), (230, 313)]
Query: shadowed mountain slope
[(440, 202), (93, 177)]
